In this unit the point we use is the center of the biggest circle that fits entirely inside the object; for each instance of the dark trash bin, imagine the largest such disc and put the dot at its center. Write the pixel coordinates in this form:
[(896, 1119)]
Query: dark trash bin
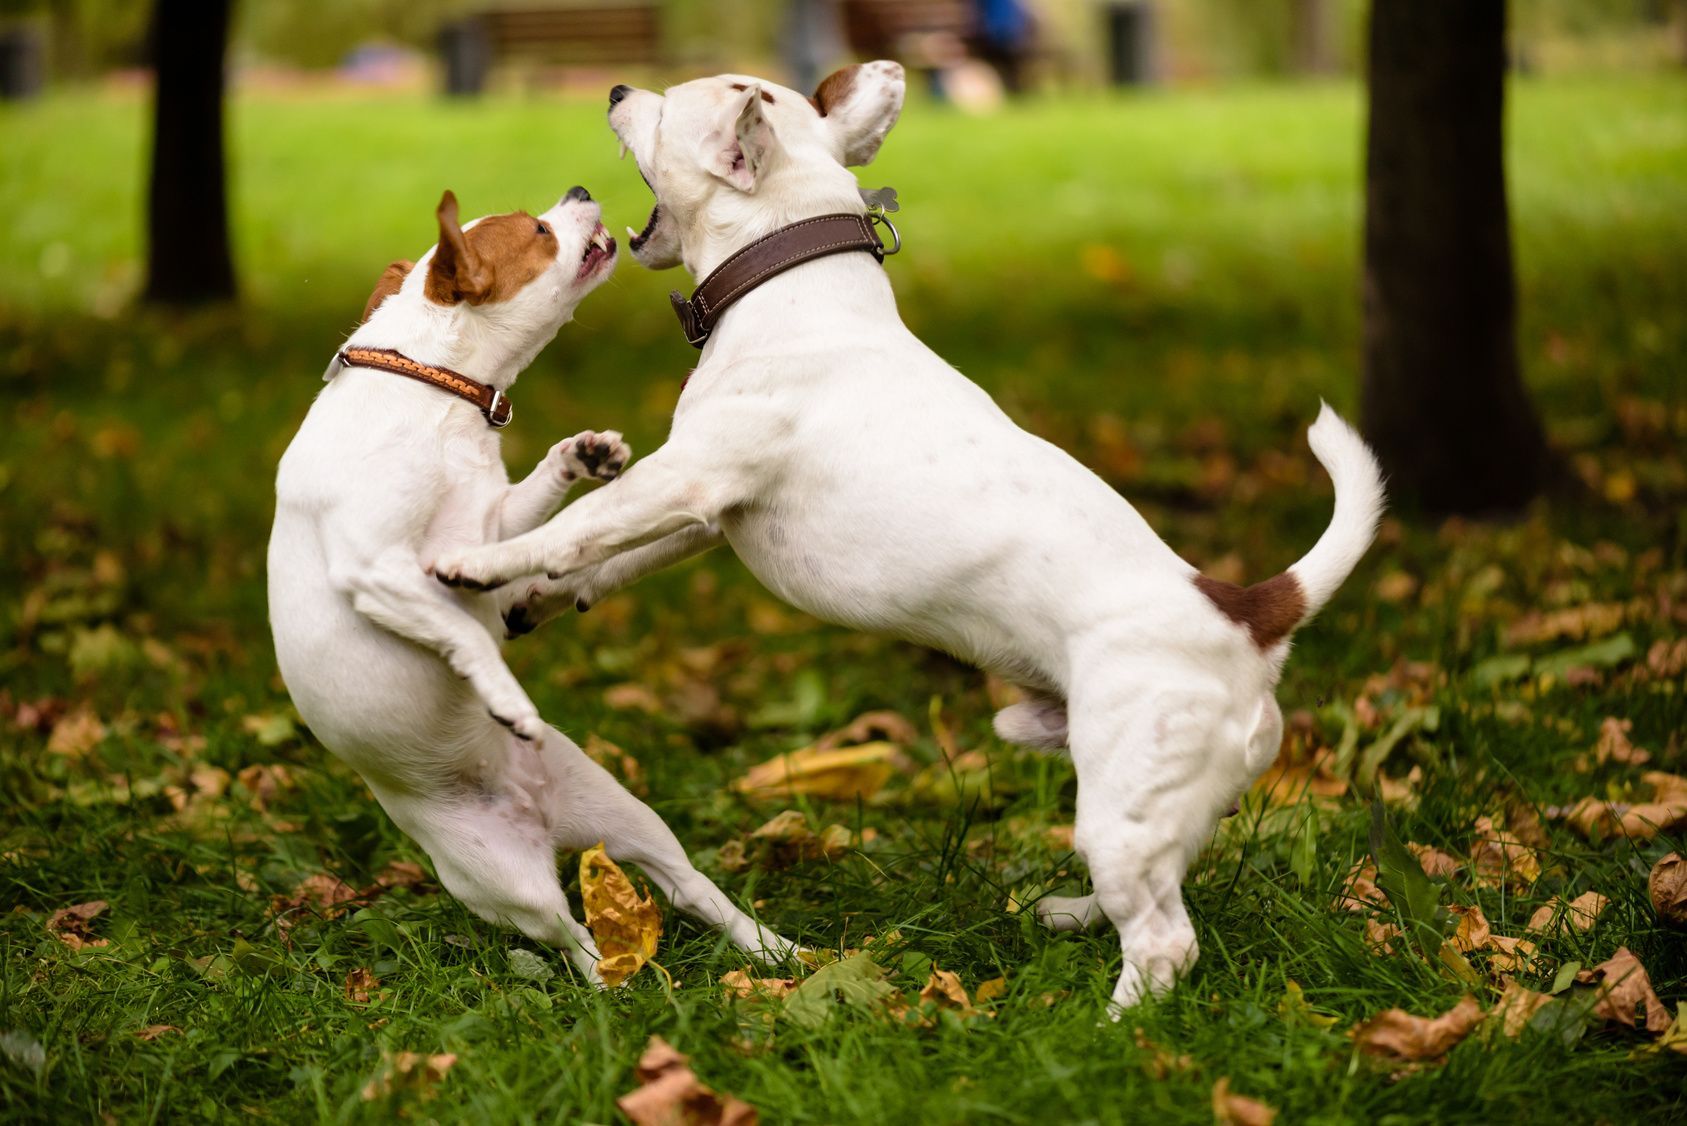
[(1130, 42), (466, 50), (23, 70)]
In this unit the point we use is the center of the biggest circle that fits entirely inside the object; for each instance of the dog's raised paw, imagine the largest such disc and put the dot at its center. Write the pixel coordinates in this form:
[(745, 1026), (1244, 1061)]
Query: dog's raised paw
[(600, 456)]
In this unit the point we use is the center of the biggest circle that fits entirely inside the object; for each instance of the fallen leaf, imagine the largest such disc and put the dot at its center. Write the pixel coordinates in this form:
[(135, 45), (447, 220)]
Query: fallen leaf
[(154, 1031), (1474, 935), (1380, 936), (856, 981), (1577, 914), (76, 734), (409, 1071), (264, 781), (1614, 744), (1499, 859), (944, 989), (1160, 1063), (1625, 993), (1674, 1037), (740, 985), (624, 924), (1665, 812), (1290, 779), (1396, 586), (785, 840), (632, 697), (1668, 887), (70, 925), (1398, 1035), (871, 727), (670, 1094), (617, 761), (360, 984), (398, 874), (847, 772), (321, 894), (1517, 1006), (1436, 864), (988, 991), (1058, 837), (270, 729), (1237, 1110), (1294, 1009), (1573, 623), (1360, 892)]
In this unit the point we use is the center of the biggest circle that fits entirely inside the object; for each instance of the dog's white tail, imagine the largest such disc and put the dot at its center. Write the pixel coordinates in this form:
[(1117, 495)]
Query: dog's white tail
[(1275, 608), (1359, 501)]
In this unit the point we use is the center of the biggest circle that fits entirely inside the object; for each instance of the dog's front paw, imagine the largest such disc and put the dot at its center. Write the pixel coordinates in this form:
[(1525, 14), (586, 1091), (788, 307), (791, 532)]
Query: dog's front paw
[(470, 570), (526, 725), (600, 456)]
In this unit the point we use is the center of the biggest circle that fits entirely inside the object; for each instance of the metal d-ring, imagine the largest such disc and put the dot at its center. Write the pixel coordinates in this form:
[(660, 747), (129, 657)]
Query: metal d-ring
[(876, 214)]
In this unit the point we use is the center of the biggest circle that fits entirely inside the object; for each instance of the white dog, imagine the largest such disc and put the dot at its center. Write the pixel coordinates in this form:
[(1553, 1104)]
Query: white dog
[(870, 483), (402, 678)]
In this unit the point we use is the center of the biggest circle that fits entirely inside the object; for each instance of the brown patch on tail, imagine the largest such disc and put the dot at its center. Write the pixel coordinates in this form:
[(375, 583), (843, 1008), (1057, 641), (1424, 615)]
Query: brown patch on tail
[(1269, 611)]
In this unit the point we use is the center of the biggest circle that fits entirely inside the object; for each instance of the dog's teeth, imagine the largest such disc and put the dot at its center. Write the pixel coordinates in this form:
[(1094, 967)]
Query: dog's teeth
[(623, 150), (631, 233)]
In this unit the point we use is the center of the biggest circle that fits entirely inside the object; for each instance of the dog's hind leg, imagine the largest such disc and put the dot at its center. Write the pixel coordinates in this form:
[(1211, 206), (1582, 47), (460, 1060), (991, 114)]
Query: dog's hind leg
[(493, 851), (1037, 721), (1148, 793), (590, 806)]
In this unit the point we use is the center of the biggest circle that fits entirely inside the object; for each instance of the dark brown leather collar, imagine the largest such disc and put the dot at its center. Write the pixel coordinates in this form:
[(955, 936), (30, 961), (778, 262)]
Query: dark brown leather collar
[(768, 257), (490, 400)]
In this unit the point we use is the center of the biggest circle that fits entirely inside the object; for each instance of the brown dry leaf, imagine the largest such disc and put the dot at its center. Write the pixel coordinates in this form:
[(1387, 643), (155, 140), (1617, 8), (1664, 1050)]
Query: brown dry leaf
[(847, 772), (871, 727), (1289, 780), (1668, 887), (397, 874), (1665, 659), (1238, 1110), (1435, 862), (70, 925), (1398, 1035), (1380, 936), (670, 1094), (1575, 623), (785, 840), (740, 985), (1160, 1063), (76, 734), (1396, 586), (360, 984), (1360, 891), (1614, 744), (411, 1071), (322, 894), (263, 781), (199, 786), (1517, 1005), (1058, 837), (1499, 859), (1625, 993), (944, 989), (1506, 955), (1400, 791), (1578, 914), (154, 1031), (632, 697), (990, 990), (617, 761), (1666, 811), (625, 924), (1473, 930)]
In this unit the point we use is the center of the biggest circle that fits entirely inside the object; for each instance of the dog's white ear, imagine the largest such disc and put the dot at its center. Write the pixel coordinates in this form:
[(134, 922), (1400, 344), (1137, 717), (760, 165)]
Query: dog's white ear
[(455, 272), (744, 145), (858, 105)]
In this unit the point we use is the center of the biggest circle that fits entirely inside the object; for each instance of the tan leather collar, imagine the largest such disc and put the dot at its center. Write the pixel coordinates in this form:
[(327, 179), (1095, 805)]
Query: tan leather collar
[(490, 400), (768, 257)]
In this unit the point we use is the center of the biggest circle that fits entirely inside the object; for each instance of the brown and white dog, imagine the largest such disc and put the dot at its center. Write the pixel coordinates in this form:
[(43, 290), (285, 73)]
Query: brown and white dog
[(867, 481), (403, 679)]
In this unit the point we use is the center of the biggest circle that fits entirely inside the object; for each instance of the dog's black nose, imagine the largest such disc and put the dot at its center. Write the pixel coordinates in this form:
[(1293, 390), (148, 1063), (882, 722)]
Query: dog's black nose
[(617, 93), (577, 194)]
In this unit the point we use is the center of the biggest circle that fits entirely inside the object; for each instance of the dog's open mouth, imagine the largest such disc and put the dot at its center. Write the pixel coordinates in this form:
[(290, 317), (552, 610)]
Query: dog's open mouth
[(600, 248), (637, 239)]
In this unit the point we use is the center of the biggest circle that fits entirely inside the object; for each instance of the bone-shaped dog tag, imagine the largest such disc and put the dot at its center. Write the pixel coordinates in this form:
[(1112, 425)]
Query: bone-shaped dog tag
[(881, 199), (334, 366)]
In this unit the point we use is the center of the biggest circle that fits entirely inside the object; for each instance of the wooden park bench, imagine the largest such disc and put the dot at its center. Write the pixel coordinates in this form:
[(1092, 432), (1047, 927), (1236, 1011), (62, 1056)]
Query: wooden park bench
[(597, 33)]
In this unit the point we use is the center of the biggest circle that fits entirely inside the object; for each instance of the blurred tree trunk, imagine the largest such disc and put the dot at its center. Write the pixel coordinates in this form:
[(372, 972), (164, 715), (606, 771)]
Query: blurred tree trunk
[(188, 258), (1310, 29), (1443, 400)]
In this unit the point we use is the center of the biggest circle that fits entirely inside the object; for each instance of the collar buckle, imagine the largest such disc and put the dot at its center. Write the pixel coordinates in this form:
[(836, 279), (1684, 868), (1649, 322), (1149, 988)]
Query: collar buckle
[(499, 411)]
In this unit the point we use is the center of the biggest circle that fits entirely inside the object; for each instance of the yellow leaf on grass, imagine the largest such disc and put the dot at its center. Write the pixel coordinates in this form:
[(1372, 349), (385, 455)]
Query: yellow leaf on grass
[(1578, 914), (944, 989), (360, 984), (413, 1071), (741, 986), (1614, 744), (1435, 863), (1360, 891), (847, 772), (988, 991), (1160, 1062), (1398, 1035), (1625, 993), (1668, 887), (624, 923), (1666, 811), (1474, 934), (1237, 1110), (76, 734), (1516, 1006), (670, 1094)]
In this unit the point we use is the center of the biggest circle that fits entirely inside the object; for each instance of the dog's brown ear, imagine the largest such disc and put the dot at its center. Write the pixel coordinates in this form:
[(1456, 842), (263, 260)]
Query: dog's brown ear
[(455, 273), (858, 105), (391, 279)]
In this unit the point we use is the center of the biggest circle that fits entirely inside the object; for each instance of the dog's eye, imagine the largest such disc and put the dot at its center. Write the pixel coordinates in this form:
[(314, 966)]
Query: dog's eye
[(542, 229)]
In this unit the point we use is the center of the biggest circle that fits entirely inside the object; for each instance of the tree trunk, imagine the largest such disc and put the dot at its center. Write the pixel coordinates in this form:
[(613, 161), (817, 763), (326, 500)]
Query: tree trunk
[(1309, 24), (188, 259), (1443, 400)]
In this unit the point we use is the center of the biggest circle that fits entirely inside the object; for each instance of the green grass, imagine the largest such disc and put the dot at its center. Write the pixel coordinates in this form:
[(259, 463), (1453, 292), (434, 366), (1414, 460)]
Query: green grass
[(1165, 285)]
